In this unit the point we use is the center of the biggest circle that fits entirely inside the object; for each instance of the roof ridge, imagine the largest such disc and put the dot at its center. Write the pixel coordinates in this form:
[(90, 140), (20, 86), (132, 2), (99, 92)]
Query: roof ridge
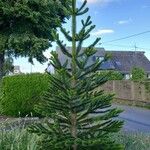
[(125, 51)]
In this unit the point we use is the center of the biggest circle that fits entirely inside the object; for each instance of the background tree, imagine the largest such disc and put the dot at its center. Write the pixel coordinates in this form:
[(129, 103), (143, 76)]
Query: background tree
[(138, 74), (77, 114), (26, 25)]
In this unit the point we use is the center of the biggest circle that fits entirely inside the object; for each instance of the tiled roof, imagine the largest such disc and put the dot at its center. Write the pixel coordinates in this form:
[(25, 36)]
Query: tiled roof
[(122, 61), (126, 60)]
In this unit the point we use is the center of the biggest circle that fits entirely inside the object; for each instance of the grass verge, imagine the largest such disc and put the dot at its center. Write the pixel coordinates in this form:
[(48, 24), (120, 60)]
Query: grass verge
[(17, 140), (133, 141), (20, 139), (132, 103)]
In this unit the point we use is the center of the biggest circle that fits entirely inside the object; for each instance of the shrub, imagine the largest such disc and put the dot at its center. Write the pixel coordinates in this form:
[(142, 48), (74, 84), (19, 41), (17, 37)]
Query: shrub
[(113, 75), (21, 92), (138, 74)]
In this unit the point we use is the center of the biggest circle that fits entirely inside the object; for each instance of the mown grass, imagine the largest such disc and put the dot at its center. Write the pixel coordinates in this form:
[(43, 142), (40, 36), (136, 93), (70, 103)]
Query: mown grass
[(20, 139)]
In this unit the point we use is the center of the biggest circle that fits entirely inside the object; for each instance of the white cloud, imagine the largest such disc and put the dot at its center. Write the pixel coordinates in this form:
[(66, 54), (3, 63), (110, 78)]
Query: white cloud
[(91, 1), (102, 32), (47, 53), (121, 22), (98, 1)]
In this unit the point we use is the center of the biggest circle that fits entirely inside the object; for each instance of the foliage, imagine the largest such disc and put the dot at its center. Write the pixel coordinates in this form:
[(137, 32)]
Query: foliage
[(138, 74), (134, 141), (21, 92), (76, 114), (113, 75), (26, 26), (18, 139)]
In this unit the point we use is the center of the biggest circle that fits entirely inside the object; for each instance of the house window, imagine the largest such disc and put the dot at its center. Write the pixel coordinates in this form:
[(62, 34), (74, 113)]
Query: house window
[(118, 63), (127, 76)]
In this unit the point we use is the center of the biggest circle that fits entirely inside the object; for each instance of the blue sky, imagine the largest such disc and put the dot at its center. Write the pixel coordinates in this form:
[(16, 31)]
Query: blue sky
[(113, 19)]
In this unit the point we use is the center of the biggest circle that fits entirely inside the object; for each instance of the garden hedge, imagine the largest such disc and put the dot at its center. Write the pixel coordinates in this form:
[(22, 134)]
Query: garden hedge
[(21, 92), (113, 75)]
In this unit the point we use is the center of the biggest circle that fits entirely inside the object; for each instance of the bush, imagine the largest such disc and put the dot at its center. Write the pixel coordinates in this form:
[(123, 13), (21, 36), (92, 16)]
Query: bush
[(21, 92), (138, 74), (113, 75)]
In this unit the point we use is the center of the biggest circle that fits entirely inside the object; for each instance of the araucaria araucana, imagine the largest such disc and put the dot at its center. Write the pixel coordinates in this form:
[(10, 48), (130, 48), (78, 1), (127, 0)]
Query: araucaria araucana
[(78, 114)]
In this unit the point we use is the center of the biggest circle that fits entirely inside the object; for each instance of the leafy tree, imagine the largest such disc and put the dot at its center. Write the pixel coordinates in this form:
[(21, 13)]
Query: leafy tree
[(138, 74), (77, 115), (26, 26)]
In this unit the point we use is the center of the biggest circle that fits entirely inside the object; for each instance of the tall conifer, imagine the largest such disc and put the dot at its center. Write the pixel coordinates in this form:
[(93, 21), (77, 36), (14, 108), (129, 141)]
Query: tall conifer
[(78, 115)]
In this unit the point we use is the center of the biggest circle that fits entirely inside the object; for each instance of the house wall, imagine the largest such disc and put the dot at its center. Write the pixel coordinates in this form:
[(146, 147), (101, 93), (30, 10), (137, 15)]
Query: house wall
[(129, 90)]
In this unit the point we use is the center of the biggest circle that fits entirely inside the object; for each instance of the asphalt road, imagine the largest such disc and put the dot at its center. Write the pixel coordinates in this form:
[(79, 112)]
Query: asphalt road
[(136, 119)]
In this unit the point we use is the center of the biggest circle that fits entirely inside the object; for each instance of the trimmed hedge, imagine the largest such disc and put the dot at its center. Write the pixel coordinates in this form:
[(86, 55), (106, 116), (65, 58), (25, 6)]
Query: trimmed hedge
[(21, 92), (113, 75)]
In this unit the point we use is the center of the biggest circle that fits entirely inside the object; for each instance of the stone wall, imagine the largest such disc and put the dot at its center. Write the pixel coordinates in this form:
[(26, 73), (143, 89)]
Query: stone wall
[(129, 90)]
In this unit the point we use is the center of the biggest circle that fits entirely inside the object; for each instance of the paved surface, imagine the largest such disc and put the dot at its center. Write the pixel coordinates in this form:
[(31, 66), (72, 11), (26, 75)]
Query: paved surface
[(136, 119)]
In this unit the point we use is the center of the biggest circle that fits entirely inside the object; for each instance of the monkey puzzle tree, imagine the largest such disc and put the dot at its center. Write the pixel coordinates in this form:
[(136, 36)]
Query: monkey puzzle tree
[(77, 114), (26, 26)]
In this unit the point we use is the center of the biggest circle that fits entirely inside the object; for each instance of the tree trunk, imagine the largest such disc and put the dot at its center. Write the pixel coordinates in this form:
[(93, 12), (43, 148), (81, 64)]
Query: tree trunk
[(73, 116), (74, 129), (2, 59)]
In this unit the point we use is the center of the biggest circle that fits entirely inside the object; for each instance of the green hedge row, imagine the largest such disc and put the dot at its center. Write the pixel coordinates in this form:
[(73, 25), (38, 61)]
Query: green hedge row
[(112, 75), (21, 92)]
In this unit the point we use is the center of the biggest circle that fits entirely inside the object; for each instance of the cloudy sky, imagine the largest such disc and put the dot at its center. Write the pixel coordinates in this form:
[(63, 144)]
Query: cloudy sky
[(114, 19)]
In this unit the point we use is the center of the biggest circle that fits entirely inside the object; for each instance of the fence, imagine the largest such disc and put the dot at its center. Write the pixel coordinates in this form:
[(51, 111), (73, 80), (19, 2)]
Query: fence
[(129, 90)]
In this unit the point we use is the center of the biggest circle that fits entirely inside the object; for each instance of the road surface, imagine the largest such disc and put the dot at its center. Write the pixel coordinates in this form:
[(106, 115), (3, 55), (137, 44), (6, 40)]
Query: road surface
[(136, 119)]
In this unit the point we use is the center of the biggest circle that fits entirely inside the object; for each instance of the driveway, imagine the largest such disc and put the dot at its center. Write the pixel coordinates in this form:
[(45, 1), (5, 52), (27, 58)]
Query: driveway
[(136, 119)]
